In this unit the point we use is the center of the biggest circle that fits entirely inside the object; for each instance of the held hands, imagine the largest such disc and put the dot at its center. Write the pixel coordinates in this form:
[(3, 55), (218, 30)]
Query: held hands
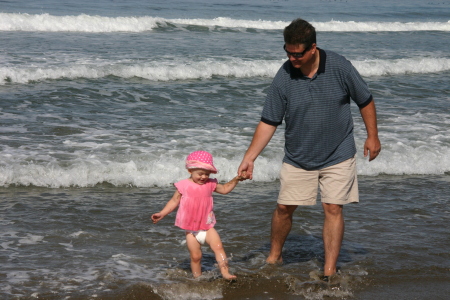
[(246, 170), (242, 177)]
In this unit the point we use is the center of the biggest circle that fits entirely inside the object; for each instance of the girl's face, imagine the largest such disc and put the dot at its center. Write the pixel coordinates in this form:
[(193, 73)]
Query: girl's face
[(199, 176)]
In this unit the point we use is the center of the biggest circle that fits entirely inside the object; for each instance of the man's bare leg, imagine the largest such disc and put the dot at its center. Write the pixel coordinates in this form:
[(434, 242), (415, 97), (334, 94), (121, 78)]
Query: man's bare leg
[(333, 233), (281, 226)]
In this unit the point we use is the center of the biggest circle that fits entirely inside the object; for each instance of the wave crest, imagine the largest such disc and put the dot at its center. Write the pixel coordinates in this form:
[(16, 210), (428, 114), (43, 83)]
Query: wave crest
[(192, 70), (153, 172), (97, 24)]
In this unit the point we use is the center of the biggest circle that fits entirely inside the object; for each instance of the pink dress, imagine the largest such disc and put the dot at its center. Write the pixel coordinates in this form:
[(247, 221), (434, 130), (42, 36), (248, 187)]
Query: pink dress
[(196, 205)]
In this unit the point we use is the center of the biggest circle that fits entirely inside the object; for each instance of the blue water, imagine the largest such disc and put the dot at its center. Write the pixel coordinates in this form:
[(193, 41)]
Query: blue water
[(100, 102)]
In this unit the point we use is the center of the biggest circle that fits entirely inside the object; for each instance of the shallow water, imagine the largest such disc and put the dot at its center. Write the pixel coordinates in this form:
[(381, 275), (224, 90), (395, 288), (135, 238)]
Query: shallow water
[(101, 101), (100, 242)]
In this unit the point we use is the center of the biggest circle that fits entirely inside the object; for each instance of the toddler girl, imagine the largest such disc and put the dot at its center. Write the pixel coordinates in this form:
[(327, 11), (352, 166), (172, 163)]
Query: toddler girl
[(195, 213)]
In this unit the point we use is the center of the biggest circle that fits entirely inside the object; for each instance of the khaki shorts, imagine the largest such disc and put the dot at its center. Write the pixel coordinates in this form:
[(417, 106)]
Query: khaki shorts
[(338, 184)]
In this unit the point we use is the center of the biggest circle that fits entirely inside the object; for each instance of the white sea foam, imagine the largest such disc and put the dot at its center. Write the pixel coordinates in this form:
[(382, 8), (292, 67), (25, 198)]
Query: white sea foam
[(156, 71), (414, 143), (31, 239), (6, 245), (192, 70), (78, 234), (422, 65), (396, 159), (80, 23), (410, 161), (87, 23), (125, 266), (183, 291), (351, 26), (17, 277)]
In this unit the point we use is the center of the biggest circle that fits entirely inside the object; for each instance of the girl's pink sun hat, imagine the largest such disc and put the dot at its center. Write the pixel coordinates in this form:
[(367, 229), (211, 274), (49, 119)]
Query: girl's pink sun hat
[(200, 160)]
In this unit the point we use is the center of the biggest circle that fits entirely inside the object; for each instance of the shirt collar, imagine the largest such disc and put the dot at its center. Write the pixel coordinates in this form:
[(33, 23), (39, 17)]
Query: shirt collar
[(296, 73)]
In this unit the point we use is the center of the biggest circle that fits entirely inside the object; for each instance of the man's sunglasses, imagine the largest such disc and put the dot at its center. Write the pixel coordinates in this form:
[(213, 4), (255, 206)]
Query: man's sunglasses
[(296, 54)]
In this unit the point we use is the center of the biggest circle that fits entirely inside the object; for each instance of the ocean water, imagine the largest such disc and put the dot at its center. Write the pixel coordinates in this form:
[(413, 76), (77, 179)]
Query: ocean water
[(101, 101)]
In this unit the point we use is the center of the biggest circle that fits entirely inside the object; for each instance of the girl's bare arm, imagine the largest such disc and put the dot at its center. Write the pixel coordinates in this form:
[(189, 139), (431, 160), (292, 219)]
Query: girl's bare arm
[(229, 186), (170, 207)]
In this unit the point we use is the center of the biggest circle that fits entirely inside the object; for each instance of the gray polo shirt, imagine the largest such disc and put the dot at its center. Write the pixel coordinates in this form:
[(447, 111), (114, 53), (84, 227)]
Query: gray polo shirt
[(319, 124)]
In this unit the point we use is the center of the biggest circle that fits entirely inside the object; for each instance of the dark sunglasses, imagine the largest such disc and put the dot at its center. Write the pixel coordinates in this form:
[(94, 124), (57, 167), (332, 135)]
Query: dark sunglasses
[(296, 54)]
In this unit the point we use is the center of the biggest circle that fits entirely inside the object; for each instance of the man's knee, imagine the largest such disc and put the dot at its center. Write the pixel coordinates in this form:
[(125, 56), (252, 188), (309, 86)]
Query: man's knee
[(285, 210), (333, 209)]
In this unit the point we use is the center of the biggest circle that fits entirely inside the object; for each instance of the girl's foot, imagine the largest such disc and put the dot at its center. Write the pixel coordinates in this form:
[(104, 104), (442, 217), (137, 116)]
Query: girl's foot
[(223, 265), (229, 276)]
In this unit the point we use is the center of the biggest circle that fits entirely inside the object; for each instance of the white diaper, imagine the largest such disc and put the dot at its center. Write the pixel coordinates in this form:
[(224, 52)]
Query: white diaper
[(200, 236)]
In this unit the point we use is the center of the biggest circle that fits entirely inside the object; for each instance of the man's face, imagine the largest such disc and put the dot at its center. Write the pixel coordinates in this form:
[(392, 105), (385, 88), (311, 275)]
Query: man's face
[(299, 54)]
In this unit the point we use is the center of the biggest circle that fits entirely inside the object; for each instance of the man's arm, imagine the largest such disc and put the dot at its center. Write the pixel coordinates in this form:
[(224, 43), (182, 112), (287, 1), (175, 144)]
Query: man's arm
[(262, 136), (372, 144)]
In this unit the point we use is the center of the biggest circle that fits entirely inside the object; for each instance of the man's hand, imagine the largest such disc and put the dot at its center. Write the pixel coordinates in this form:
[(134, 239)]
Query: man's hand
[(243, 176), (261, 137), (246, 170), (372, 147)]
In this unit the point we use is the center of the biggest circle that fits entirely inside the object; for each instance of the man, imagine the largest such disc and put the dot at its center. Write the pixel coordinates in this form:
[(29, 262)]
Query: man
[(312, 92)]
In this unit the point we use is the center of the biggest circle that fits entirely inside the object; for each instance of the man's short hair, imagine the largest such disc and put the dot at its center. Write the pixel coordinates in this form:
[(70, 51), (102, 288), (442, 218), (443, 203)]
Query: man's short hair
[(300, 32)]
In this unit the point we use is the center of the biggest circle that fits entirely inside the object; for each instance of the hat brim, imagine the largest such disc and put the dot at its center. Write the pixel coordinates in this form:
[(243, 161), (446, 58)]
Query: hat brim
[(194, 164)]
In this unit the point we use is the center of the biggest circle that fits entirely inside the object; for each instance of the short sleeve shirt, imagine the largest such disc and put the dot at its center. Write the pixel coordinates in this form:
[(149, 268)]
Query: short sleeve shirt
[(319, 125)]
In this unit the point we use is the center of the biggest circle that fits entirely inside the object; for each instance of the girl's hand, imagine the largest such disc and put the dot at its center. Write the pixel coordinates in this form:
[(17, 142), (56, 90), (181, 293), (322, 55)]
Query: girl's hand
[(156, 217), (243, 176)]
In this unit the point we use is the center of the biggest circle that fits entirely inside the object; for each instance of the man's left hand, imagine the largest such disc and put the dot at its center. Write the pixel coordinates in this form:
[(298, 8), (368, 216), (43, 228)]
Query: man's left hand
[(372, 147)]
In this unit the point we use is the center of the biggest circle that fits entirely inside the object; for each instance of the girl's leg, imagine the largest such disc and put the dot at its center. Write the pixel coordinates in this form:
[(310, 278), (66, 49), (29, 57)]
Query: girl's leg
[(213, 240), (195, 250)]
